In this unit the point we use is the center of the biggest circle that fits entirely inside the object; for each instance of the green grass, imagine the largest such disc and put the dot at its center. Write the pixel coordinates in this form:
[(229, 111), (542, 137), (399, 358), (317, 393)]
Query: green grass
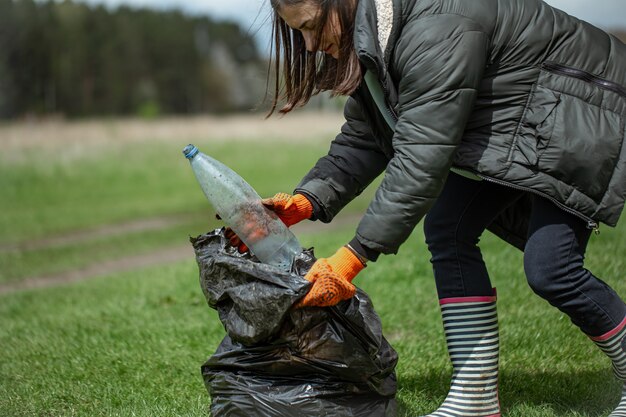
[(21, 263), (126, 345), (131, 343), (47, 195)]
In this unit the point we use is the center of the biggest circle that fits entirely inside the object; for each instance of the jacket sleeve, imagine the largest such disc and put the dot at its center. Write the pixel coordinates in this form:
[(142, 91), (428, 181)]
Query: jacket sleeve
[(353, 162), (439, 64)]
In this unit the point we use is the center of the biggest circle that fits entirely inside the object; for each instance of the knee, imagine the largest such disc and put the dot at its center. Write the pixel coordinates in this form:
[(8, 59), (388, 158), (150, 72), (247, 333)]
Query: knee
[(439, 232), (450, 239), (542, 271)]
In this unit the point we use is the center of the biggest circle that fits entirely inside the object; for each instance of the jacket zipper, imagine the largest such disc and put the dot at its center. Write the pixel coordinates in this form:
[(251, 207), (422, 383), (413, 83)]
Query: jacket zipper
[(592, 225), (390, 110), (383, 84), (392, 113), (584, 76)]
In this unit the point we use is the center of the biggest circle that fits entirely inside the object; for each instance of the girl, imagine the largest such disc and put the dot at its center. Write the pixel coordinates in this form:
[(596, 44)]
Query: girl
[(485, 114)]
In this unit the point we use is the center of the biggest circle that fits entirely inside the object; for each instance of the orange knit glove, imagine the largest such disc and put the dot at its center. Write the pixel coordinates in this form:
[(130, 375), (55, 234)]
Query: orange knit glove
[(234, 240), (290, 209), (331, 278)]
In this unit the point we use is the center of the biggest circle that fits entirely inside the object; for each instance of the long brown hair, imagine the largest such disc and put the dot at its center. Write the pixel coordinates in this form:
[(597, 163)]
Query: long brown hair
[(305, 73)]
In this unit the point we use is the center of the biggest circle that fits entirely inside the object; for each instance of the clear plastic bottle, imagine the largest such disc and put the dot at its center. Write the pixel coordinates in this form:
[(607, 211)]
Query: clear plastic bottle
[(240, 207)]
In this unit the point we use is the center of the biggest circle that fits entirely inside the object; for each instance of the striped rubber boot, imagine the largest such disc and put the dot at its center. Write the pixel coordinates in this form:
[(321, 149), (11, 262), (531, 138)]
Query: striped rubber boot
[(613, 344), (471, 329)]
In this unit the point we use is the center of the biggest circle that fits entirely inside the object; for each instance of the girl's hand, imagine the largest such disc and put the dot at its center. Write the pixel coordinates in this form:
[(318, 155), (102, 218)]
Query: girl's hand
[(332, 279), (290, 209)]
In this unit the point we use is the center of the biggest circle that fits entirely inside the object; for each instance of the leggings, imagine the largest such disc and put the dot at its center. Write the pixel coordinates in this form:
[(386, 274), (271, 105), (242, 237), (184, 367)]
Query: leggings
[(553, 256)]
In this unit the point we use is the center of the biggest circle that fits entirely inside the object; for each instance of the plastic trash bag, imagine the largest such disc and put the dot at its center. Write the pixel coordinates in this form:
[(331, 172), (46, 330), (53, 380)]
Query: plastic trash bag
[(277, 361)]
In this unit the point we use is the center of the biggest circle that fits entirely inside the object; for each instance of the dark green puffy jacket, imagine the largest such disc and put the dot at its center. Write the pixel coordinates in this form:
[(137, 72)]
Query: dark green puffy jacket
[(513, 90)]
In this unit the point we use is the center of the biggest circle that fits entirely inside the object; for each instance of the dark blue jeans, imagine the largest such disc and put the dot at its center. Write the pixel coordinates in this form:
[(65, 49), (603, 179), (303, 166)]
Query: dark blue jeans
[(553, 257)]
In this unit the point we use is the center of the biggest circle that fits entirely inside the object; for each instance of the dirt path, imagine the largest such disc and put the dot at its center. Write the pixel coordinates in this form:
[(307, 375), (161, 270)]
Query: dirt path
[(143, 225), (133, 262), (158, 257), (75, 139)]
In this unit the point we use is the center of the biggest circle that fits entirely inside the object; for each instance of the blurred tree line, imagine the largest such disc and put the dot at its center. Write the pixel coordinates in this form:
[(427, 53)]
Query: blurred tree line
[(70, 59), (76, 60)]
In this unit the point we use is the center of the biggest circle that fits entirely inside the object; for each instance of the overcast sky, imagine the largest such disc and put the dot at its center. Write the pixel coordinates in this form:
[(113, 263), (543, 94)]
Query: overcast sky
[(253, 14)]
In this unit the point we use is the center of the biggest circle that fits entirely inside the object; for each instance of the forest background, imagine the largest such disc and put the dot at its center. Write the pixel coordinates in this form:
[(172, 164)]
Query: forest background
[(70, 59), (74, 60)]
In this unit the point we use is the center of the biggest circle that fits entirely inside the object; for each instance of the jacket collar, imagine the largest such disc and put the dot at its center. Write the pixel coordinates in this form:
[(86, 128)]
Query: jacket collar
[(384, 22), (375, 26)]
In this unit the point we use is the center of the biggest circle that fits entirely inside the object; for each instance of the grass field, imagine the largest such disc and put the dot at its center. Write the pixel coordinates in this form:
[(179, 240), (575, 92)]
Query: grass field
[(131, 343)]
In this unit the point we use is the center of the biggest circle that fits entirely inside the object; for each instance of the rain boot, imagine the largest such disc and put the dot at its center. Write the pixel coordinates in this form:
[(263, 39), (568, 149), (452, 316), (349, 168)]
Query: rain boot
[(613, 344), (471, 331)]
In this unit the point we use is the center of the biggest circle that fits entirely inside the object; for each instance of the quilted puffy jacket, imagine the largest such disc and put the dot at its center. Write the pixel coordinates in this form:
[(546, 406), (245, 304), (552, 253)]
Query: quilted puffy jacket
[(514, 91)]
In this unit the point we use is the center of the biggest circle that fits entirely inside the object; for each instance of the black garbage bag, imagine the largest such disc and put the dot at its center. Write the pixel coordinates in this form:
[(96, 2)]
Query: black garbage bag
[(277, 361)]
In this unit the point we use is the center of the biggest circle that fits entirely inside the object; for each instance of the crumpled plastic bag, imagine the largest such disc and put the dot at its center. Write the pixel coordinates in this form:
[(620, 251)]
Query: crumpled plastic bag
[(277, 361)]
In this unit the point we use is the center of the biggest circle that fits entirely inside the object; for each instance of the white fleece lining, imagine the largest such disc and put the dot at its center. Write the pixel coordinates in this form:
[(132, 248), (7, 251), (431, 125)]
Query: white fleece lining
[(384, 18)]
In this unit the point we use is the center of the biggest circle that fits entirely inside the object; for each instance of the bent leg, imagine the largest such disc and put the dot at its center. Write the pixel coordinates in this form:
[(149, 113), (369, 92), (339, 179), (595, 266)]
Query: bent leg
[(554, 264), (453, 228), (468, 306)]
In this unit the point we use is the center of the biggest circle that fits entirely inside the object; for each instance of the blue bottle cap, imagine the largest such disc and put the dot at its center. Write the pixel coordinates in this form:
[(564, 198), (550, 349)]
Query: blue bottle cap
[(190, 151)]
